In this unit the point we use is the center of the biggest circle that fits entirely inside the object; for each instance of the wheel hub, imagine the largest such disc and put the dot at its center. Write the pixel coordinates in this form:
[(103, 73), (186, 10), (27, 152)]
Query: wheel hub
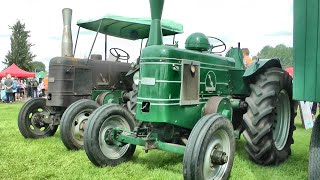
[(109, 136), (112, 151), (79, 125), (36, 120), (218, 157)]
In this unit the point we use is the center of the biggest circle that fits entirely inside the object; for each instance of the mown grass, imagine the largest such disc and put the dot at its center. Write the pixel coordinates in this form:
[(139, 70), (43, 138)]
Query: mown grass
[(48, 158)]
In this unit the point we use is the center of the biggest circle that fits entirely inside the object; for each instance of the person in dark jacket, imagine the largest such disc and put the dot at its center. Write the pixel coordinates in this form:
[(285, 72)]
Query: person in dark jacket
[(8, 83)]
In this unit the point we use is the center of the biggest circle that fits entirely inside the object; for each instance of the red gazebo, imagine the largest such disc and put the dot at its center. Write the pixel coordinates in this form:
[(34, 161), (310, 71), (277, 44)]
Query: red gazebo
[(290, 71), (14, 70)]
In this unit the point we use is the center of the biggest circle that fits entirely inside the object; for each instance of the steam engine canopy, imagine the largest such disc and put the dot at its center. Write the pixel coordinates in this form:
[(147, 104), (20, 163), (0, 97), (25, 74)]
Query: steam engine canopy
[(197, 41)]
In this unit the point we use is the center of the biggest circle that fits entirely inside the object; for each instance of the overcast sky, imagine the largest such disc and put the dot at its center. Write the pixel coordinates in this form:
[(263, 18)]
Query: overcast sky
[(253, 23)]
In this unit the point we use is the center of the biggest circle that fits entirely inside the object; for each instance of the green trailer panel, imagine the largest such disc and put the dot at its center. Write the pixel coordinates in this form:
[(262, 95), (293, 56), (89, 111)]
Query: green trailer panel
[(306, 43)]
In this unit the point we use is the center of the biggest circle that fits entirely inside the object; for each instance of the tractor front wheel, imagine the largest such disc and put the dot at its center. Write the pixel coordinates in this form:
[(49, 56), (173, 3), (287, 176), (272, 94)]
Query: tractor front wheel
[(30, 119), (73, 123), (210, 149), (270, 117), (100, 123), (314, 151)]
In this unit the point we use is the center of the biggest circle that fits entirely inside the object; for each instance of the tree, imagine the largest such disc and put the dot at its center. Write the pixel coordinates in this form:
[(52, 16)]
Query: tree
[(20, 53), (38, 66), (281, 51)]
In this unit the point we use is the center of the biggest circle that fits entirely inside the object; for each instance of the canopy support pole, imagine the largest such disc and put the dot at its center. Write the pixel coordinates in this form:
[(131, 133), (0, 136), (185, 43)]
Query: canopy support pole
[(141, 47), (105, 47), (94, 41), (174, 37), (75, 46)]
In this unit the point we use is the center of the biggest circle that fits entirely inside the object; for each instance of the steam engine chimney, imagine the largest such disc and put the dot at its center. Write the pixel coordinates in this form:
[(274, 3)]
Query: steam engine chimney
[(67, 46), (155, 34)]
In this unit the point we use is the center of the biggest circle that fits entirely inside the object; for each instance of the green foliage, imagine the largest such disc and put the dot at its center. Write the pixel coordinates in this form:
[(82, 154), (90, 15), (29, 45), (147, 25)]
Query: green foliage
[(20, 53), (47, 158), (39, 66), (281, 51)]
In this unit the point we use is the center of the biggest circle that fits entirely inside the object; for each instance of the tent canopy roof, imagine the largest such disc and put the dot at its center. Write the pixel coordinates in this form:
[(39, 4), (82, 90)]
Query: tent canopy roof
[(128, 28), (14, 70)]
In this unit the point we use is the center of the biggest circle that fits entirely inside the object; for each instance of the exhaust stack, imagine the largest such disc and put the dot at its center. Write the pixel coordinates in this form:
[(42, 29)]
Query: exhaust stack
[(67, 45), (155, 34)]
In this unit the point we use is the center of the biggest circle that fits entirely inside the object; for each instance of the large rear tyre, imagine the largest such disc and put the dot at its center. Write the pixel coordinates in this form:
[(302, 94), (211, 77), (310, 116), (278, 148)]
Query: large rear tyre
[(210, 149), (270, 117), (30, 119), (314, 151), (73, 123), (102, 121)]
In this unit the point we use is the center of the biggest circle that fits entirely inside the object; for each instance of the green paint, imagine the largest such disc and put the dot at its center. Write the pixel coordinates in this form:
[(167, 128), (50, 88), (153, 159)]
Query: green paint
[(174, 148), (198, 42), (259, 65), (236, 54), (157, 63), (128, 27), (95, 93), (149, 143), (235, 103), (306, 42), (114, 97), (155, 35), (225, 108), (237, 85)]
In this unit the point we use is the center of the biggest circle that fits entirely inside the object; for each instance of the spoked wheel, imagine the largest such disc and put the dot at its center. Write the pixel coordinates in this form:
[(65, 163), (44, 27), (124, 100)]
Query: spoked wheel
[(30, 119), (73, 123), (103, 152), (210, 149), (314, 151), (270, 117)]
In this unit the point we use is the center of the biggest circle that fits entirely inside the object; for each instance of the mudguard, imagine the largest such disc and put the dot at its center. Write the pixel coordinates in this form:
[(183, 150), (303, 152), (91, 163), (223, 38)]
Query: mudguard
[(260, 65)]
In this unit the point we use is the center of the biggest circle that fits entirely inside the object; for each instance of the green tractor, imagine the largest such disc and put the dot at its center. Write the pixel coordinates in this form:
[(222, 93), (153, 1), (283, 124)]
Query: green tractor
[(73, 121), (196, 103)]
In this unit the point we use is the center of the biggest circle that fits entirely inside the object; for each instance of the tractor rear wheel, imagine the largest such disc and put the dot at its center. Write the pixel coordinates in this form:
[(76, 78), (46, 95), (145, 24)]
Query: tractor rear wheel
[(101, 122), (73, 123), (30, 119), (210, 149), (314, 151), (269, 120)]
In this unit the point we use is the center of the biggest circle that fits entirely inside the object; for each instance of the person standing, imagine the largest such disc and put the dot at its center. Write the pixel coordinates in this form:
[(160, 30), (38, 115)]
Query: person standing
[(8, 83), (29, 88), (14, 89), (247, 60), (34, 87), (22, 89), (3, 90), (41, 87)]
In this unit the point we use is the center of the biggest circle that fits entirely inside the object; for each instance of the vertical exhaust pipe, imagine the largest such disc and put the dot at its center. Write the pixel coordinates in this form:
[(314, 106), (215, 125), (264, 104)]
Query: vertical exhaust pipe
[(67, 45), (155, 34)]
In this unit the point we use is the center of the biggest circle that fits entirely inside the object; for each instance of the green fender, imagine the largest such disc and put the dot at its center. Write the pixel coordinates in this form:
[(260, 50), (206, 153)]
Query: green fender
[(260, 65)]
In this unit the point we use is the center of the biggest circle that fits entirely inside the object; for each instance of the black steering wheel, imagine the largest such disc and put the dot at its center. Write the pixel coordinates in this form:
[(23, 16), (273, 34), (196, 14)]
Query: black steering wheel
[(219, 45), (122, 56)]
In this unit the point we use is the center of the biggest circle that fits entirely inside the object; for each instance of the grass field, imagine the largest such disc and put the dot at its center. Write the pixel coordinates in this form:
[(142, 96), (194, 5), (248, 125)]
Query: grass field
[(48, 158)]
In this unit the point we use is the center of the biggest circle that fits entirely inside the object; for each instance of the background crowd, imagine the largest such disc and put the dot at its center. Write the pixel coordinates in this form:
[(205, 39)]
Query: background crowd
[(14, 89)]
